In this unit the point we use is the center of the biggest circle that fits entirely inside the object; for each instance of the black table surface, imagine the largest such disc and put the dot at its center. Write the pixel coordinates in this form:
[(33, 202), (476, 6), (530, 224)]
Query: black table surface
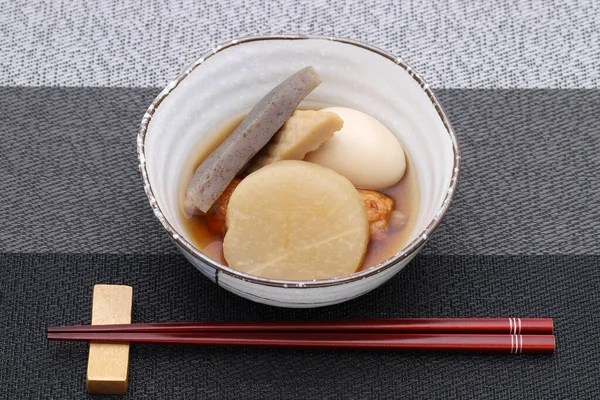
[(521, 239)]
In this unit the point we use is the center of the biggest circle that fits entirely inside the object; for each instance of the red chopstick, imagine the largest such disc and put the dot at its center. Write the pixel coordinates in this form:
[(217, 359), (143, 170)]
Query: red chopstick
[(515, 326), (515, 344)]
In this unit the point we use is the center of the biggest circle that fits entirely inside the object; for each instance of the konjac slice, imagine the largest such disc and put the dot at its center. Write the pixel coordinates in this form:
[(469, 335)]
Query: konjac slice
[(216, 172), (296, 220)]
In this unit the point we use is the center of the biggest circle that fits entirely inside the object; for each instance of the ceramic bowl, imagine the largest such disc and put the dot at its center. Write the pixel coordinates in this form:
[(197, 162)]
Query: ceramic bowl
[(232, 77)]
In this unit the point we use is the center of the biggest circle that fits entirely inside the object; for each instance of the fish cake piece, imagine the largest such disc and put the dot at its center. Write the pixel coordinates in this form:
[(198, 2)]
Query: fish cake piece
[(216, 216), (302, 133), (379, 208)]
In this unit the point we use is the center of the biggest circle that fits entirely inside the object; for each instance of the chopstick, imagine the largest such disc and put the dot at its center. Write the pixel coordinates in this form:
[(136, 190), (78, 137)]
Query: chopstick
[(497, 335), (499, 343), (515, 326)]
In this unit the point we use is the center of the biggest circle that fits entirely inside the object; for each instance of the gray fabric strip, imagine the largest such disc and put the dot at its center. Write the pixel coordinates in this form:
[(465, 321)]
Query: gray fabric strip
[(69, 181), (472, 44)]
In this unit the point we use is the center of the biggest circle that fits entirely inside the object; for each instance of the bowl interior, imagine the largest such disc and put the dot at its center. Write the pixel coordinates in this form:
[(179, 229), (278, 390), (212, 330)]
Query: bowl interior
[(231, 81)]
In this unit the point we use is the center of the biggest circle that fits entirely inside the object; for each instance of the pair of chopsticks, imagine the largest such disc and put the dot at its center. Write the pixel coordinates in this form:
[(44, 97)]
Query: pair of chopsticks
[(497, 335)]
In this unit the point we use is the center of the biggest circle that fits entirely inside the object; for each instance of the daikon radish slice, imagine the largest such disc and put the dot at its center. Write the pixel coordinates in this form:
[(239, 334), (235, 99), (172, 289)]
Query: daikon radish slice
[(296, 220)]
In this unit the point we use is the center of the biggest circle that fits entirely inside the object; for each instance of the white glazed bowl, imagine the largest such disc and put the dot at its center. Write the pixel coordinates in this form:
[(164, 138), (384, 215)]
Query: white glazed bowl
[(232, 77)]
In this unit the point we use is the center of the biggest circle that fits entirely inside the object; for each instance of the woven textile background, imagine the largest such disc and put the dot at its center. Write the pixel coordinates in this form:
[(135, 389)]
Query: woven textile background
[(521, 84)]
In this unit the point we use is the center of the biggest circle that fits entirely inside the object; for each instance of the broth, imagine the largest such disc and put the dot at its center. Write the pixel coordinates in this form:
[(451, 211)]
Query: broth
[(405, 195)]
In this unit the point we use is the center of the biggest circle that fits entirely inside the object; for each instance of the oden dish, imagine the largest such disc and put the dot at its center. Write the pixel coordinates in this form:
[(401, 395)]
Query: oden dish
[(188, 119)]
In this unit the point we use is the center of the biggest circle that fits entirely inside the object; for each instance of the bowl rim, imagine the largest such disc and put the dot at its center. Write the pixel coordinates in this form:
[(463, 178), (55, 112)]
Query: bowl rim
[(403, 254)]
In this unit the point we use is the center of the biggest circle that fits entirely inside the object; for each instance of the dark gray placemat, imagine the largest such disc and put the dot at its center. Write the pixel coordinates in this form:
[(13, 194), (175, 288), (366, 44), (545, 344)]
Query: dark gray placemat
[(70, 191), (41, 290)]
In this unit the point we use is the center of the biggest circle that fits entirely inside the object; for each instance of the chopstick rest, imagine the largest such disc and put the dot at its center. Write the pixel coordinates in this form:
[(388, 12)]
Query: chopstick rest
[(108, 363)]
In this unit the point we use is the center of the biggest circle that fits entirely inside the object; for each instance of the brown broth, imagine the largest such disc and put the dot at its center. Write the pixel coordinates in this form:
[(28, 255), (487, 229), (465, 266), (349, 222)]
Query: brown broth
[(405, 195)]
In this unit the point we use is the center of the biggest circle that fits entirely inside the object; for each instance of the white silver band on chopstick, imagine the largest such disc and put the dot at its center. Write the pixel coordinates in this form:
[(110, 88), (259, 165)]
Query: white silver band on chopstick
[(516, 344), (514, 326)]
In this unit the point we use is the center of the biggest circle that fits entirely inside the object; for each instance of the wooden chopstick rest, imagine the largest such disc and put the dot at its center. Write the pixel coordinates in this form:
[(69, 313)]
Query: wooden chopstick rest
[(108, 363)]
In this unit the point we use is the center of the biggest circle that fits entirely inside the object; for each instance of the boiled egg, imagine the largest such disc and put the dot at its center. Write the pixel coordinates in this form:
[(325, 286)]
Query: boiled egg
[(364, 151)]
